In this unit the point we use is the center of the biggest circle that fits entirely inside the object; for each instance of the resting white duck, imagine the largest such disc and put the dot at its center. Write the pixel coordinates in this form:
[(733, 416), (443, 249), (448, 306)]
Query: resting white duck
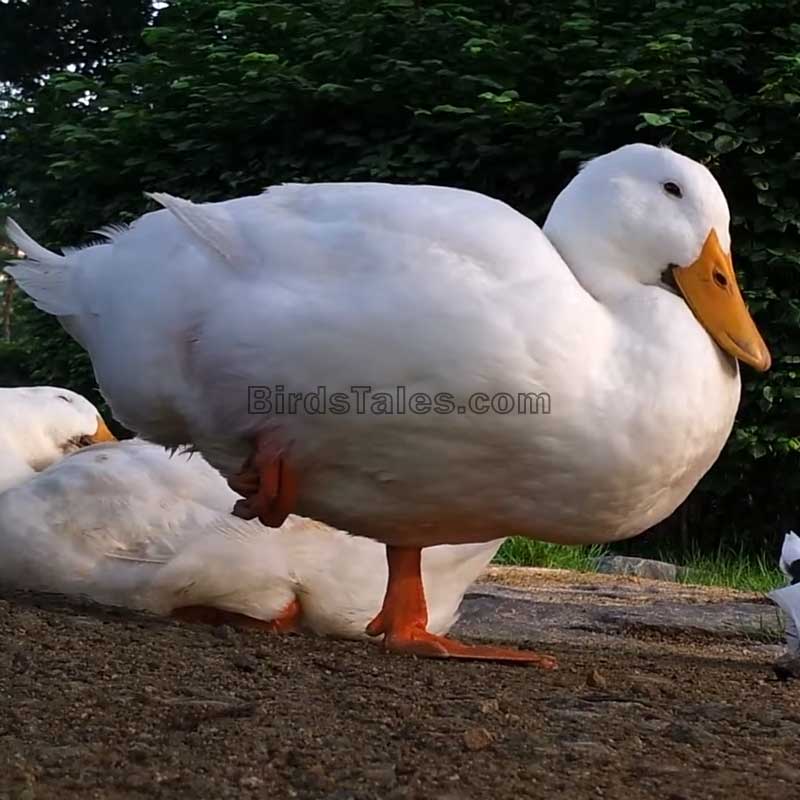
[(625, 312), (128, 524), (41, 424)]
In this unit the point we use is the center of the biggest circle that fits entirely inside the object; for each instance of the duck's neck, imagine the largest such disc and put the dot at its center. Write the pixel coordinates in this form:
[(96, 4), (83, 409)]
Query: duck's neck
[(599, 268), (25, 449), (660, 318)]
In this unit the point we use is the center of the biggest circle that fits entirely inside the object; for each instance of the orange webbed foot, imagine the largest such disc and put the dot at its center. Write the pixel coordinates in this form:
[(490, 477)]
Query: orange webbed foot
[(403, 620)]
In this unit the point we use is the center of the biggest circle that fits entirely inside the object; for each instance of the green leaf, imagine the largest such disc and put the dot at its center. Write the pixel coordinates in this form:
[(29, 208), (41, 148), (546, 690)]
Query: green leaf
[(657, 120), (260, 58), (725, 143), (72, 85), (448, 109), (331, 88)]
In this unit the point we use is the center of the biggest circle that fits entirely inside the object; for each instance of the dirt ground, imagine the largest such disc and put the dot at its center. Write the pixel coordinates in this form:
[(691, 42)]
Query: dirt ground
[(104, 703)]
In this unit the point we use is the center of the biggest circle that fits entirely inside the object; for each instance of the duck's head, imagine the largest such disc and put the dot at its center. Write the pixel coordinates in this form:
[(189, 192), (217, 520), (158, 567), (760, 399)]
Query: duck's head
[(45, 423), (648, 215)]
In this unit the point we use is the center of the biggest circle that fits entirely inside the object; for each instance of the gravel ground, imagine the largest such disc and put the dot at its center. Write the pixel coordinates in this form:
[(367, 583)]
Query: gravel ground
[(106, 703)]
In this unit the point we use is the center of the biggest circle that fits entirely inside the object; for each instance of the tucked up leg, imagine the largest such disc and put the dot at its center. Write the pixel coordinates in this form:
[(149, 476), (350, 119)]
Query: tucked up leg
[(268, 484)]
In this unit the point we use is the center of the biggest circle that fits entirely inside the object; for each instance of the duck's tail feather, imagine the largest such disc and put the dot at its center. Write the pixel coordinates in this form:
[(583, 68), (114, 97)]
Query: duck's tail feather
[(31, 248), (43, 275)]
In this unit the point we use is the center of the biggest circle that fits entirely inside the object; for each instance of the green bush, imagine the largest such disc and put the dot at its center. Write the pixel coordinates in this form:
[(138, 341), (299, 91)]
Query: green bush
[(505, 98), (13, 365)]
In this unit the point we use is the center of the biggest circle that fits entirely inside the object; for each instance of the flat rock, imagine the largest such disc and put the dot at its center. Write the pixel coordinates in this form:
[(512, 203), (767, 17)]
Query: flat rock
[(576, 607), (640, 567)]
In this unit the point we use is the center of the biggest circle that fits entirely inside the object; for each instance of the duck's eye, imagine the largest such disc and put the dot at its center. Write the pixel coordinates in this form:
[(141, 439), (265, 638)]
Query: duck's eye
[(670, 187)]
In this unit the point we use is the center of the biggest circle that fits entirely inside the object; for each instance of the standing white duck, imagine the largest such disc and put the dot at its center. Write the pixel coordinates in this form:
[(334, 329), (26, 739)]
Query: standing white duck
[(625, 313), (127, 524), (40, 425)]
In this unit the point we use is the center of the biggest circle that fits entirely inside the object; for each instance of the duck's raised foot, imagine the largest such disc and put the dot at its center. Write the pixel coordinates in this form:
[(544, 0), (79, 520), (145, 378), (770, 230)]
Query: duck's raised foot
[(428, 645), (268, 485)]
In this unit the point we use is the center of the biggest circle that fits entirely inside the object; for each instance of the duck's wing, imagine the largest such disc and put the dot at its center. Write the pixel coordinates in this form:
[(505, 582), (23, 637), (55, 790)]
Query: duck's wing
[(292, 231), (431, 288)]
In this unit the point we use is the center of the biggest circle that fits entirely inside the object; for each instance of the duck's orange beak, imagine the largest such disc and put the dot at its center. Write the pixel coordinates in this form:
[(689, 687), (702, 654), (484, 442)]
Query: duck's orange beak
[(102, 434), (709, 287)]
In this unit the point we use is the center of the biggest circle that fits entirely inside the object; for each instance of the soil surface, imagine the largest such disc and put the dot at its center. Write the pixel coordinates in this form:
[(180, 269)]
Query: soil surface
[(662, 692)]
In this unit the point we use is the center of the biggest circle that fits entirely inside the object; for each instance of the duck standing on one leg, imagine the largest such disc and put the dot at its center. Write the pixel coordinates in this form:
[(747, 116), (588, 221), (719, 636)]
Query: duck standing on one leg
[(625, 312)]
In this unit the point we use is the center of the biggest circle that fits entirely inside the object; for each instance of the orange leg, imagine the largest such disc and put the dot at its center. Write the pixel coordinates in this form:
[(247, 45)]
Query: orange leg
[(403, 620), (288, 621), (267, 483)]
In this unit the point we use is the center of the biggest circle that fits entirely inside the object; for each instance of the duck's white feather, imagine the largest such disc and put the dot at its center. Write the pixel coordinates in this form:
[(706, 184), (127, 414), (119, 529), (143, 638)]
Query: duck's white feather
[(128, 524), (210, 225)]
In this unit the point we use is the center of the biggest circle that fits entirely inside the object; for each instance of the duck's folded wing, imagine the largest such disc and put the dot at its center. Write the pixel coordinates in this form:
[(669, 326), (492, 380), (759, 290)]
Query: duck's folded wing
[(294, 229)]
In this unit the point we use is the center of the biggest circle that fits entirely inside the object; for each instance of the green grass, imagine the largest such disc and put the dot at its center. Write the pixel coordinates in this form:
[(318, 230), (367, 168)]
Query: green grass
[(749, 573), (735, 570), (521, 552)]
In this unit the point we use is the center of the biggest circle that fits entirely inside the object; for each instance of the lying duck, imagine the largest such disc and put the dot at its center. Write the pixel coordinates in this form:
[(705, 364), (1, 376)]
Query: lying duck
[(419, 312), (40, 425), (127, 524)]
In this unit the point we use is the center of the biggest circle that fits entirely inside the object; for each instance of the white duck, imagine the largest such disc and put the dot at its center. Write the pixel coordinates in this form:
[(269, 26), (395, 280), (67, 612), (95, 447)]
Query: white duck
[(41, 424), (788, 597), (127, 524), (625, 312)]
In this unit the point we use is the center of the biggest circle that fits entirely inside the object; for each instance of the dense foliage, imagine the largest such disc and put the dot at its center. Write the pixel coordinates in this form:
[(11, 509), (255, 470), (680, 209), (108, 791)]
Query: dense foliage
[(502, 97), (40, 36)]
